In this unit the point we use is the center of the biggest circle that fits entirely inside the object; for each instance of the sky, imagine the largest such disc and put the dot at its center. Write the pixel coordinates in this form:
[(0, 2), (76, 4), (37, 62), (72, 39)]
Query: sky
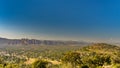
[(88, 20)]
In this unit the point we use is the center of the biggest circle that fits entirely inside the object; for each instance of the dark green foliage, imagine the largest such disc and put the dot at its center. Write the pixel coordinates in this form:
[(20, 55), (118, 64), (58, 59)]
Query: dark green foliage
[(84, 66), (40, 64)]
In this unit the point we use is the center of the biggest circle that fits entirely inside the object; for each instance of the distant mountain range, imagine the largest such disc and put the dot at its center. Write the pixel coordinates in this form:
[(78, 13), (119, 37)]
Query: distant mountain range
[(39, 42)]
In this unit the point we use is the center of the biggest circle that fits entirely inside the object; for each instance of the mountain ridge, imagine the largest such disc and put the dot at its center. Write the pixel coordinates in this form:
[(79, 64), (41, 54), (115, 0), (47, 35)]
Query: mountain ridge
[(26, 41)]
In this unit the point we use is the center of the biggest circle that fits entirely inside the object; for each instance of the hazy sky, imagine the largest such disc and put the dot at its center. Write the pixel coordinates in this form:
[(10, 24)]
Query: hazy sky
[(91, 20)]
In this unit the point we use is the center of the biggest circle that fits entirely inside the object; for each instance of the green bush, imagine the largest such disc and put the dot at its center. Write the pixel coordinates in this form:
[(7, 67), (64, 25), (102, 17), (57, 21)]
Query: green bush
[(73, 58), (12, 66), (84, 66), (39, 64)]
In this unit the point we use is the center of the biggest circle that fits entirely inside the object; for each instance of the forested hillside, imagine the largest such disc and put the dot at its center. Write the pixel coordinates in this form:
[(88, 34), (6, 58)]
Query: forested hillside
[(99, 55)]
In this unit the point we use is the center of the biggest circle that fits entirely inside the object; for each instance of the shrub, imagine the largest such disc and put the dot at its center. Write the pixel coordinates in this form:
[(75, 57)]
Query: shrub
[(84, 66), (39, 64), (73, 58)]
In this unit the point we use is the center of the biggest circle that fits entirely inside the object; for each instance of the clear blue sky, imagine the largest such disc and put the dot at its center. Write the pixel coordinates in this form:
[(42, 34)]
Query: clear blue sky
[(91, 20)]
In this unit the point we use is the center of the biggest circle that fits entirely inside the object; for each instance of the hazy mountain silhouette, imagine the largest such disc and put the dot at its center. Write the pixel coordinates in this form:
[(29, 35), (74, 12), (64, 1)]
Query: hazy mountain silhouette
[(39, 42)]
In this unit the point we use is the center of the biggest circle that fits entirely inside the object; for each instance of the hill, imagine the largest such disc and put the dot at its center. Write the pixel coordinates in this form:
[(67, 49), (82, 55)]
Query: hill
[(102, 47), (99, 55)]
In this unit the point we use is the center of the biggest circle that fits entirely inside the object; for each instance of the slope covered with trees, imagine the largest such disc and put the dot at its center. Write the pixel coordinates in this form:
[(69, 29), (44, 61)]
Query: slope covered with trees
[(93, 56), (99, 55)]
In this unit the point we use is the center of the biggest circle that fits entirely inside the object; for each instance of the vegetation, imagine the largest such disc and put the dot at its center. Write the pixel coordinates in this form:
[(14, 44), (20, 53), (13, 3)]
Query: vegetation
[(40, 64), (98, 55)]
